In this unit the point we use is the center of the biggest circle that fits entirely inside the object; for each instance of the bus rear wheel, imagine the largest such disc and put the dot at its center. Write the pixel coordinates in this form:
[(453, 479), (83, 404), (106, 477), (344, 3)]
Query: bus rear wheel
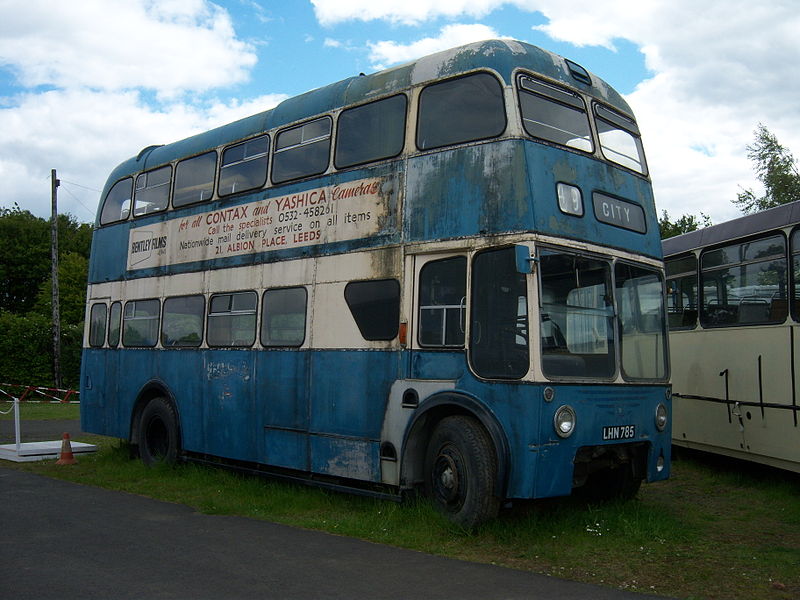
[(158, 433), (460, 471)]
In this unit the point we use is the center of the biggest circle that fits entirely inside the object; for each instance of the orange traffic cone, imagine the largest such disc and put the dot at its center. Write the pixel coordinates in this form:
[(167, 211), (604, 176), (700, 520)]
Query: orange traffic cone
[(66, 457)]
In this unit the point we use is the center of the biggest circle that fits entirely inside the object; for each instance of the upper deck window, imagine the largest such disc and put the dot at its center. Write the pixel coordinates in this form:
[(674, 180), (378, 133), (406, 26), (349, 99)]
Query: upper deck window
[(117, 206), (370, 132), (619, 139), (460, 110), (244, 166), (152, 191), (554, 114), (194, 179), (302, 151)]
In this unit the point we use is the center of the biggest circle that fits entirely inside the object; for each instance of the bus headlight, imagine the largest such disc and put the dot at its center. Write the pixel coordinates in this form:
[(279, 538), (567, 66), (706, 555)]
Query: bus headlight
[(564, 421), (661, 417)]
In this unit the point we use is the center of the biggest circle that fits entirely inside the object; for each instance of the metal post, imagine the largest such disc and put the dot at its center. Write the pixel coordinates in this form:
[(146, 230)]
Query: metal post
[(54, 182), (16, 423)]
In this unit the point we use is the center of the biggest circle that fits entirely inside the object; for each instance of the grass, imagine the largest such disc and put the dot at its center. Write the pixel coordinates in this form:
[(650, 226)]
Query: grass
[(40, 411), (717, 529)]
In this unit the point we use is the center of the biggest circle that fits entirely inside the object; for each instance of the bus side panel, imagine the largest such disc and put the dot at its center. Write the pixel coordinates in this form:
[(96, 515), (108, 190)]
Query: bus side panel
[(517, 407), (230, 416), (441, 205), (98, 397), (736, 430), (349, 392), (282, 397)]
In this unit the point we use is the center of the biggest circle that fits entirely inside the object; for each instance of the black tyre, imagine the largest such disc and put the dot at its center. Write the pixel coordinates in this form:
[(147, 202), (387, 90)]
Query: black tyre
[(460, 471), (158, 433)]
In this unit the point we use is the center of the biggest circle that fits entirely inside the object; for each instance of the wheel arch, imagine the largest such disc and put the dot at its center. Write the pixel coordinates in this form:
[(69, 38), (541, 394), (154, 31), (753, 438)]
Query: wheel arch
[(431, 412), (154, 388)]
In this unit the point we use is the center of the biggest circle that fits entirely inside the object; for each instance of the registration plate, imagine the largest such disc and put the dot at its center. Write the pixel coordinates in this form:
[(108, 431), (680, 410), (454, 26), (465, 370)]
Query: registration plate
[(619, 432)]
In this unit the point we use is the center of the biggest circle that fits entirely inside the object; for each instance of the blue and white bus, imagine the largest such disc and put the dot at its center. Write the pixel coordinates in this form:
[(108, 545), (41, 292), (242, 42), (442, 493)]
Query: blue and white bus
[(443, 277)]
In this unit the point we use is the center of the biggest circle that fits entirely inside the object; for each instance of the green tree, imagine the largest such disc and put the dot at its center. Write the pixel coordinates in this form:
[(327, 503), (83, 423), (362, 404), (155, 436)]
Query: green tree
[(25, 254), (26, 353), (72, 276), (684, 224), (776, 168)]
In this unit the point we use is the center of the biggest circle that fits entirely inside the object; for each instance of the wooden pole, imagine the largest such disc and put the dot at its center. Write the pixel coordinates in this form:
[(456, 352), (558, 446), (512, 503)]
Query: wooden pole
[(54, 183)]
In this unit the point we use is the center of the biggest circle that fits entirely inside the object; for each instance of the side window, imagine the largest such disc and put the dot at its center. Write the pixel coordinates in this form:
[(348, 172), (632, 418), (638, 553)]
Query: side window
[(182, 325), (639, 292), (114, 324), (682, 292), (244, 166), (302, 151), (370, 132), (796, 272), (97, 325), (443, 302), (375, 306), (117, 205), (576, 318), (499, 316), (460, 110), (554, 114), (140, 323), (152, 191), (619, 139), (194, 179), (232, 319), (283, 317), (745, 283)]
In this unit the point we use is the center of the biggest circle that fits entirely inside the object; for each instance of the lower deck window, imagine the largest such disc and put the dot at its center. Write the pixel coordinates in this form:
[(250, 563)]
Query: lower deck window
[(641, 320), (745, 284), (283, 317), (97, 325), (232, 319), (182, 325), (577, 338), (140, 323), (375, 306)]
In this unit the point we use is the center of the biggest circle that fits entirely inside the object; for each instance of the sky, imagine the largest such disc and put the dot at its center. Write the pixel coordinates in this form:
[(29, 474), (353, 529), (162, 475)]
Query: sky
[(86, 84)]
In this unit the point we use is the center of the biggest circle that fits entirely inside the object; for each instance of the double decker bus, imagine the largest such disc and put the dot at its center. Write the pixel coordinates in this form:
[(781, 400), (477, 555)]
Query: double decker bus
[(444, 277), (734, 308)]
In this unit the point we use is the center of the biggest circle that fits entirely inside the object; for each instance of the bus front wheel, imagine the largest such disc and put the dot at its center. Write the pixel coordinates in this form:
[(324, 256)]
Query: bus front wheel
[(158, 433), (460, 471)]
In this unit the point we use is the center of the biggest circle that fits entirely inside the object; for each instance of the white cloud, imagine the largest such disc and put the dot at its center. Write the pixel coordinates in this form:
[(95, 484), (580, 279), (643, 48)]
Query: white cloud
[(103, 129), (719, 68), (169, 47), (717, 75), (406, 12), (388, 52)]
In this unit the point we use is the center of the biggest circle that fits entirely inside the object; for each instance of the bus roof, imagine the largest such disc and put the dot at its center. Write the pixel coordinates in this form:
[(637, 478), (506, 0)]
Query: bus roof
[(759, 222), (503, 56)]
